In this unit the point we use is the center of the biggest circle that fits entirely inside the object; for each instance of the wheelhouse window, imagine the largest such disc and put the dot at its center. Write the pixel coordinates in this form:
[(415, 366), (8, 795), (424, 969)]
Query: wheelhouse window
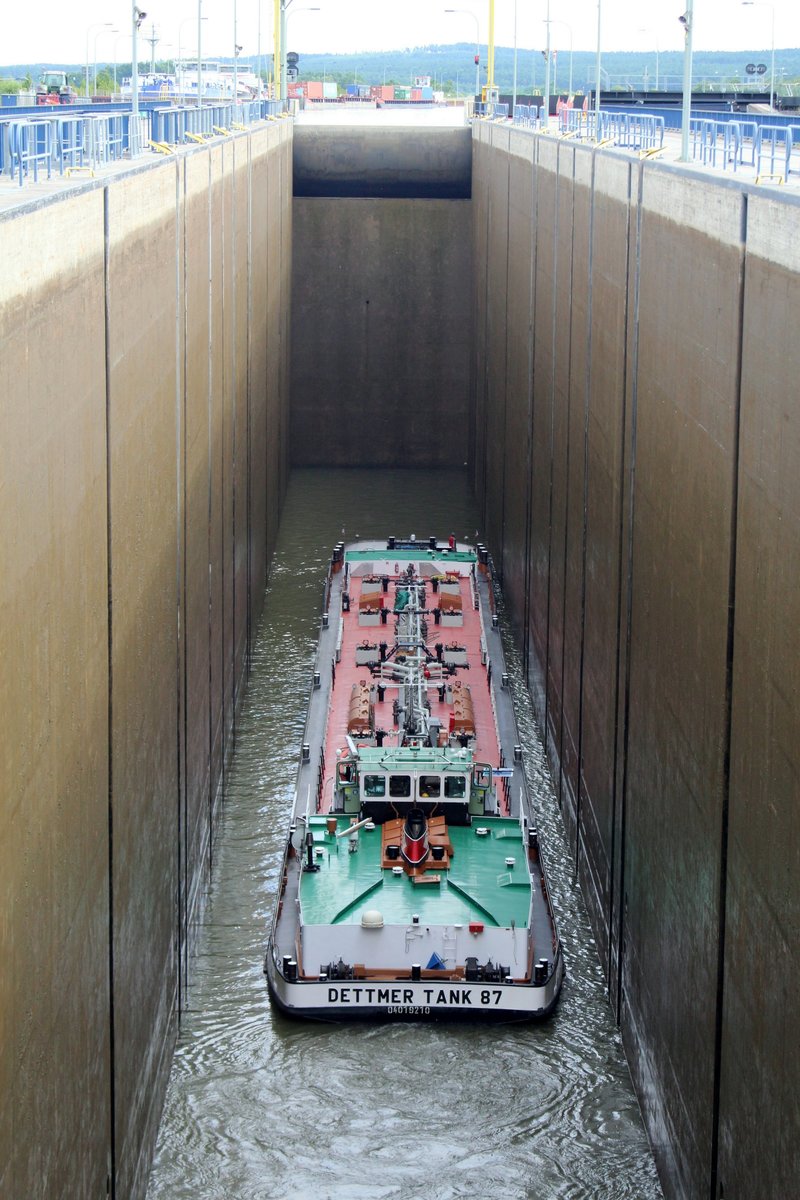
[(400, 787), (374, 785), (430, 787), (455, 787)]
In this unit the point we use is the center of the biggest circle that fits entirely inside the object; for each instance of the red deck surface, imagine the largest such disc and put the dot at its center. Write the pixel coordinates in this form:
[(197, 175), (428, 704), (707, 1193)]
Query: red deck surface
[(486, 747)]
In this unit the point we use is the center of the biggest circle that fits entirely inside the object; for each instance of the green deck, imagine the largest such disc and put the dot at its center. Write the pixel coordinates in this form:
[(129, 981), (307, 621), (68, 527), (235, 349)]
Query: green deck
[(477, 887)]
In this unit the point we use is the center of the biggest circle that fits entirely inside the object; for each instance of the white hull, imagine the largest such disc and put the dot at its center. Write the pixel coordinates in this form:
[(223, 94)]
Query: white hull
[(336, 1000)]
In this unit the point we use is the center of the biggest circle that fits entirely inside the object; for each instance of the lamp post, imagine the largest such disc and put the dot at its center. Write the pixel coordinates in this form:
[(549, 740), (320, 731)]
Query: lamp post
[(199, 54), (236, 49), (598, 69), (99, 33), (258, 51), (514, 82), (771, 7), (547, 71), (686, 21), (137, 16), (121, 38), (185, 21), (285, 4), (474, 16), (94, 25), (655, 35), (568, 28)]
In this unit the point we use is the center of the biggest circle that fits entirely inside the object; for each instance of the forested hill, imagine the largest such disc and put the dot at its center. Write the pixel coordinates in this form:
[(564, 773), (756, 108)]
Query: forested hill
[(451, 64)]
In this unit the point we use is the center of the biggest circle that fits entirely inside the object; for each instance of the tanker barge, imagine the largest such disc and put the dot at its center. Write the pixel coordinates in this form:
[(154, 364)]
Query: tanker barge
[(413, 882)]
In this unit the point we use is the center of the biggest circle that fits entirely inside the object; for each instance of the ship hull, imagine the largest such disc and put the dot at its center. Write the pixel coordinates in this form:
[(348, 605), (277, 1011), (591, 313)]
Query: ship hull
[(426, 1000)]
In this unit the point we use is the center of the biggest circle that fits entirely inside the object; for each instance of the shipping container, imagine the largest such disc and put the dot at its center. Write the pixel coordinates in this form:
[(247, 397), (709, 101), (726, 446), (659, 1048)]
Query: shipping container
[(314, 89), (427, 93), (352, 89), (387, 91), (416, 93), (330, 90)]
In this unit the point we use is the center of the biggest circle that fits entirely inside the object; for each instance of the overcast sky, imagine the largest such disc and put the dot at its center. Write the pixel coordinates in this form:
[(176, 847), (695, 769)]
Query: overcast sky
[(57, 31)]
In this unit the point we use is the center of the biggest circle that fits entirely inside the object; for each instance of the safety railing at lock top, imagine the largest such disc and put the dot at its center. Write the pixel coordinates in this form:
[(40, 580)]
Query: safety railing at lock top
[(770, 151), (631, 131), (491, 111), (64, 142), (528, 116)]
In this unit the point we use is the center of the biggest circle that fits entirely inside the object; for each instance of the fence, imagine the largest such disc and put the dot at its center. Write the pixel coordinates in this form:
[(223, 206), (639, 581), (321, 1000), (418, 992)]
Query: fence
[(633, 131), (771, 151), (491, 111), (62, 141)]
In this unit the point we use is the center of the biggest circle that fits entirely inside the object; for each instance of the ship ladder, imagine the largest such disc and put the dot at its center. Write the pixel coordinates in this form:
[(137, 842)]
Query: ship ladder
[(449, 949)]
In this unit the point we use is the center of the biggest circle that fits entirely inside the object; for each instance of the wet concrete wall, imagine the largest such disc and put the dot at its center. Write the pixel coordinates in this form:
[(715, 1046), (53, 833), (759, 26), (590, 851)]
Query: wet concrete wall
[(140, 388), (381, 292), (633, 332)]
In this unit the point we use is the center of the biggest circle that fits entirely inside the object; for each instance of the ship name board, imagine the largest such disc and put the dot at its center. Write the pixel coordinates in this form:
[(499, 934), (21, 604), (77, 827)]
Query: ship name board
[(439, 997)]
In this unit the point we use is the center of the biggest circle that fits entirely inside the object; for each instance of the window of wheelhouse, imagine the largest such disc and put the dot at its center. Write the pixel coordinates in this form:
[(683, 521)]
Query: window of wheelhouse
[(374, 786), (400, 787), (430, 787), (455, 787)]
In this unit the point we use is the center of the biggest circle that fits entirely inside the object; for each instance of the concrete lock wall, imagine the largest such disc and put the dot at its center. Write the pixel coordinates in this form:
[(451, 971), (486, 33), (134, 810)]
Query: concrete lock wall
[(381, 291), (142, 397), (638, 458)]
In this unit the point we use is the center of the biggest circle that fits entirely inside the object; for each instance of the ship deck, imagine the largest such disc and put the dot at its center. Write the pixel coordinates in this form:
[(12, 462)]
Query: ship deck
[(478, 885), (348, 672)]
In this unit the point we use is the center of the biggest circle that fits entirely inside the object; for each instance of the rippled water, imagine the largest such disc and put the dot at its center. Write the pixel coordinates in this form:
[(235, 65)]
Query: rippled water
[(261, 1106)]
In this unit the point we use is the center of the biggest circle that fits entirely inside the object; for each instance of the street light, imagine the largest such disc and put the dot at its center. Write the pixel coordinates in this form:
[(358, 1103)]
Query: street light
[(547, 71), (468, 12), (766, 4), (236, 49), (94, 25), (285, 4), (121, 38), (655, 35), (200, 20), (598, 69), (137, 16), (258, 51), (514, 82), (686, 21), (569, 31), (99, 33), (185, 21)]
